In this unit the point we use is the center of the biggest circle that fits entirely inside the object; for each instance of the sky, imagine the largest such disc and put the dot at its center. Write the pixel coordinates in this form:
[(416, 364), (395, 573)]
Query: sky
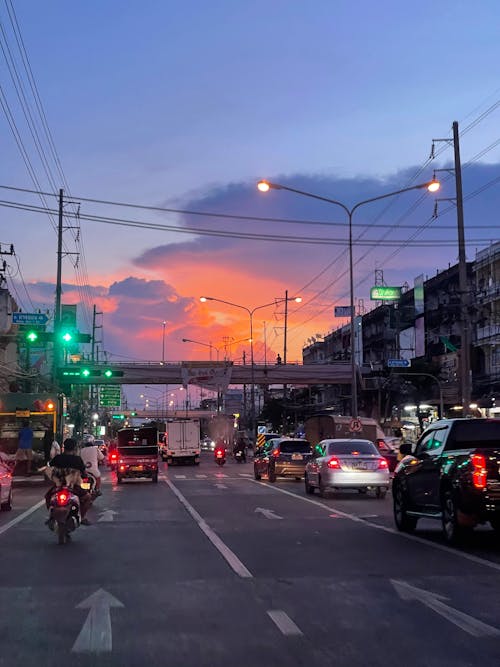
[(185, 106)]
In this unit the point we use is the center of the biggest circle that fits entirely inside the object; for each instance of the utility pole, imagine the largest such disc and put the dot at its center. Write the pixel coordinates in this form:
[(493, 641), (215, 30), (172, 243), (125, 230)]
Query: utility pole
[(95, 326), (284, 361), (465, 369), (57, 309)]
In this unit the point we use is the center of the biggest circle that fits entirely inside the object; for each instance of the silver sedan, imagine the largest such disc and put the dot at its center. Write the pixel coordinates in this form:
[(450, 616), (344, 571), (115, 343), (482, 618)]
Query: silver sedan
[(343, 463)]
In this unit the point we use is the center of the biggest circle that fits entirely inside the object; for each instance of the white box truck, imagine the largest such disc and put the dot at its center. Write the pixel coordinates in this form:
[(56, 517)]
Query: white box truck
[(182, 441)]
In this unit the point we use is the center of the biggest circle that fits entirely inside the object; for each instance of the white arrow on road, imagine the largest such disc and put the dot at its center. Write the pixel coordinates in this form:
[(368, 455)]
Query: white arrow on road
[(96, 635), (469, 624), (269, 514), (107, 515)]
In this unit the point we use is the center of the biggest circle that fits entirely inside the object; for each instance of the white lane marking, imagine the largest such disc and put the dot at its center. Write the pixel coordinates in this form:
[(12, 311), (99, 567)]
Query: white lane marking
[(469, 624), (180, 476), (201, 476), (284, 623), (386, 529), (220, 474), (220, 486), (269, 514), (22, 516), (231, 558), (244, 474), (96, 634), (107, 515)]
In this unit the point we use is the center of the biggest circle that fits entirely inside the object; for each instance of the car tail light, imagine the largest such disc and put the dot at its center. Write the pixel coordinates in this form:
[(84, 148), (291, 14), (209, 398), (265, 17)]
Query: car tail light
[(62, 497), (122, 468), (276, 453), (333, 463), (382, 464), (479, 471)]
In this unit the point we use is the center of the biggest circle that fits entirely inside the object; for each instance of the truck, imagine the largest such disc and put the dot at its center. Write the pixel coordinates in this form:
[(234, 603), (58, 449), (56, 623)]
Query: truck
[(137, 453), (182, 441), (324, 425)]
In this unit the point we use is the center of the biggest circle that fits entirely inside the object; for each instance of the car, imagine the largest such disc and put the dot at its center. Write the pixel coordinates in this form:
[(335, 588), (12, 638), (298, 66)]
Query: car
[(389, 450), (451, 474), (6, 468), (207, 444), (347, 463), (282, 457)]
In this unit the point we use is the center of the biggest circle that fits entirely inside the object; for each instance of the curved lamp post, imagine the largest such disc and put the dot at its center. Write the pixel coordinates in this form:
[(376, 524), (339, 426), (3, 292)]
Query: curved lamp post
[(252, 370), (431, 186), (198, 342)]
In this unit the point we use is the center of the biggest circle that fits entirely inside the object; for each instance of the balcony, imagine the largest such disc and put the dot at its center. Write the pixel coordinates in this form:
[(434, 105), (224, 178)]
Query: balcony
[(483, 334)]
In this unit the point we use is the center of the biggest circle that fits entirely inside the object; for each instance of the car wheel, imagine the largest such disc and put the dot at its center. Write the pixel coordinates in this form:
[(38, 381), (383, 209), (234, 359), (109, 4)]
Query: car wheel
[(271, 475), (404, 523), (7, 505), (309, 488), (256, 474), (323, 491), (453, 532), (381, 492)]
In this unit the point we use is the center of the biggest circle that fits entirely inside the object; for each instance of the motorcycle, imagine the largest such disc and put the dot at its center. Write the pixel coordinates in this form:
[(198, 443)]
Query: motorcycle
[(64, 514), (89, 484), (239, 456), (220, 456)]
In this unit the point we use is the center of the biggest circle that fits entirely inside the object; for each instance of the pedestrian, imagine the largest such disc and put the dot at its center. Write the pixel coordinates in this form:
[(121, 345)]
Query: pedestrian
[(55, 449), (48, 439), (25, 446)]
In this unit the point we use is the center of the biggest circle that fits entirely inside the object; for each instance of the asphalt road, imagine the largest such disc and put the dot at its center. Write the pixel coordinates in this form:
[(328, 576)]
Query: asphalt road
[(211, 568)]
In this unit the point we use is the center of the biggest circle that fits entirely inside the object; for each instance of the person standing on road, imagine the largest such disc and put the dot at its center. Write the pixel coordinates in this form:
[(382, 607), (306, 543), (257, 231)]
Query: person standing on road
[(91, 455), (25, 446)]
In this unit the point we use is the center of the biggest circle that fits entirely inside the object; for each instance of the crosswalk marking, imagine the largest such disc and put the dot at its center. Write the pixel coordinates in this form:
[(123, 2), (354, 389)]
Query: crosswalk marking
[(220, 474), (180, 476), (201, 476), (244, 474)]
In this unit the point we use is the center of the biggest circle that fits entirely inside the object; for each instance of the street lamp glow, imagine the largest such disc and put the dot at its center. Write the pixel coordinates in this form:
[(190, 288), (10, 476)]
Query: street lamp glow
[(298, 299), (203, 299), (434, 186), (263, 186)]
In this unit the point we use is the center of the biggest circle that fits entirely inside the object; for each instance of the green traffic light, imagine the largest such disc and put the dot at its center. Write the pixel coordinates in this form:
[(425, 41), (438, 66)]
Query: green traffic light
[(85, 372), (67, 337), (32, 336), (108, 373)]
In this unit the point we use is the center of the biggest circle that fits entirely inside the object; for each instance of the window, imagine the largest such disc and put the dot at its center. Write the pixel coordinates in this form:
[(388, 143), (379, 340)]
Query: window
[(295, 447), (432, 442), (472, 433), (347, 447)]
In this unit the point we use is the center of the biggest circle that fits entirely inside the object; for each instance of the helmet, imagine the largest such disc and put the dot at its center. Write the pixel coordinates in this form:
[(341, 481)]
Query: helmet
[(88, 440)]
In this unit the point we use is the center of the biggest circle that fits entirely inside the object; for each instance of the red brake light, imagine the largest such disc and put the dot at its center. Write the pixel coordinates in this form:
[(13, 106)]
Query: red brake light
[(276, 452), (219, 453), (62, 497), (333, 463), (383, 463), (479, 471), (113, 456)]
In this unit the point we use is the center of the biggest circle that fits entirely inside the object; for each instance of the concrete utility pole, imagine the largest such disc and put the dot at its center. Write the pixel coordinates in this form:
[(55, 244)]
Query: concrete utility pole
[(465, 366), (57, 309)]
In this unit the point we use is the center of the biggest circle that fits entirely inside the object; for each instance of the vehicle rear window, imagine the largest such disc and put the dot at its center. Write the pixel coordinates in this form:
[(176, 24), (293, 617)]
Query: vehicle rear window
[(295, 447), (472, 433), (348, 447)]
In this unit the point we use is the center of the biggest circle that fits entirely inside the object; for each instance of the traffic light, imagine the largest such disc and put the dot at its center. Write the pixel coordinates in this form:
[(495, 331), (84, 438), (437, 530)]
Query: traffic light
[(110, 373), (32, 336), (73, 337)]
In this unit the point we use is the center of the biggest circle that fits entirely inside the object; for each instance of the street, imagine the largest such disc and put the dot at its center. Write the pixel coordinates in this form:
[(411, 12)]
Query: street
[(211, 568)]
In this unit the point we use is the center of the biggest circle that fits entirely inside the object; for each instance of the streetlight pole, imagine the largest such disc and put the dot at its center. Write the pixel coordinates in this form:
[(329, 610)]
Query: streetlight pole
[(432, 186), (198, 342), (163, 343), (252, 363)]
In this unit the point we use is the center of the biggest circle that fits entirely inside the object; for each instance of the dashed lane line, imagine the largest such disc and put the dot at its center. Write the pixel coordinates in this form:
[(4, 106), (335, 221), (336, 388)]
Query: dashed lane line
[(284, 623), (407, 536), (231, 558), (18, 519)]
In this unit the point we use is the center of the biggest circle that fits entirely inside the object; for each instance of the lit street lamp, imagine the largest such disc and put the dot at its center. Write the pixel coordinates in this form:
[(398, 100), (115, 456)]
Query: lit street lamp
[(431, 186), (252, 368)]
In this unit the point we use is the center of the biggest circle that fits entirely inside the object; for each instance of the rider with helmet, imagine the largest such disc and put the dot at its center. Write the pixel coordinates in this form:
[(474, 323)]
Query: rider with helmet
[(91, 455)]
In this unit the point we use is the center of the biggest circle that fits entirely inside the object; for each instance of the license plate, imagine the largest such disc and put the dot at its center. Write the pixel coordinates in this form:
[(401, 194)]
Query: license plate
[(297, 457), (359, 466), (135, 468), (85, 485)]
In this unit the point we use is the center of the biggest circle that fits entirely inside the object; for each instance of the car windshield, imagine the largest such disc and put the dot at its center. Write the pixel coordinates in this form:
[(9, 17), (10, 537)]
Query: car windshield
[(349, 447), (472, 433), (295, 447)]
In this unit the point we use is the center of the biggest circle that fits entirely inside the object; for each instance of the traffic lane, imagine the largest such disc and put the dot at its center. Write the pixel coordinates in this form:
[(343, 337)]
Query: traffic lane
[(482, 542), (23, 498), (276, 534)]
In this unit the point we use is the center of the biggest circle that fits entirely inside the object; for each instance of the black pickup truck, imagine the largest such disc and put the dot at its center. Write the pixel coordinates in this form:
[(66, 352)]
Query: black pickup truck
[(452, 473)]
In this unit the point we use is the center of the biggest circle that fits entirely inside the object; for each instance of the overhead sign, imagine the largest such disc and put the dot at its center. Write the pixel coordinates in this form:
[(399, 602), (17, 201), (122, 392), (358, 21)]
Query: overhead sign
[(385, 293), (110, 396), (398, 363), (29, 318), (342, 311)]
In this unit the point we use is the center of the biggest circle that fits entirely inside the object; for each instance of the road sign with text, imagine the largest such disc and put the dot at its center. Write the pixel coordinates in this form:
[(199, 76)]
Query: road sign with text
[(398, 363), (29, 318), (110, 396)]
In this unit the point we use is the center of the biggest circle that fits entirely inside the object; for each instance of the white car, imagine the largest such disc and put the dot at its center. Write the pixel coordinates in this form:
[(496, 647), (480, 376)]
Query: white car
[(344, 463), (6, 468)]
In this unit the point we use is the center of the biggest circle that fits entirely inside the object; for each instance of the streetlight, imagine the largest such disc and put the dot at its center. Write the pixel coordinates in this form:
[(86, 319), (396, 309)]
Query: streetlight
[(198, 342), (250, 312), (163, 324), (431, 186)]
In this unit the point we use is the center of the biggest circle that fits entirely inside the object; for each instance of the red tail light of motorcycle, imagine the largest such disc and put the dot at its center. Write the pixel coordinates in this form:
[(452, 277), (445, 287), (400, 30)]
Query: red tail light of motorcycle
[(113, 456), (62, 498), (219, 453)]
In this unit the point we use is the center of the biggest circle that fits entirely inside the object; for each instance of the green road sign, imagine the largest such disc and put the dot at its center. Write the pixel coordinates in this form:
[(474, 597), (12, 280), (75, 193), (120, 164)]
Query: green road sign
[(384, 293), (110, 396)]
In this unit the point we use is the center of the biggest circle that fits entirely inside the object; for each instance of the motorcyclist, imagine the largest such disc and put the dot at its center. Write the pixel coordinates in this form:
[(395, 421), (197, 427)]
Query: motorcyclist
[(240, 446), (220, 446), (91, 455), (67, 469)]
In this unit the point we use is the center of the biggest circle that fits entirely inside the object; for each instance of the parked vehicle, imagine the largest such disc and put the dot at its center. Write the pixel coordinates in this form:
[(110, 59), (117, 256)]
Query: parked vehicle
[(341, 463), (183, 441), (6, 469), (282, 457), (137, 454), (64, 513), (452, 474)]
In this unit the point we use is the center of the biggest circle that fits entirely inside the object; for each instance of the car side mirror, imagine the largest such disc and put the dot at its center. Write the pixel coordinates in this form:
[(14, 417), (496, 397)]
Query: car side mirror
[(406, 448)]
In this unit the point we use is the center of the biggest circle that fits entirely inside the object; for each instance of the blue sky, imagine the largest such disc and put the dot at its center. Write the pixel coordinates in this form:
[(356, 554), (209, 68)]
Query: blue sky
[(185, 105)]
